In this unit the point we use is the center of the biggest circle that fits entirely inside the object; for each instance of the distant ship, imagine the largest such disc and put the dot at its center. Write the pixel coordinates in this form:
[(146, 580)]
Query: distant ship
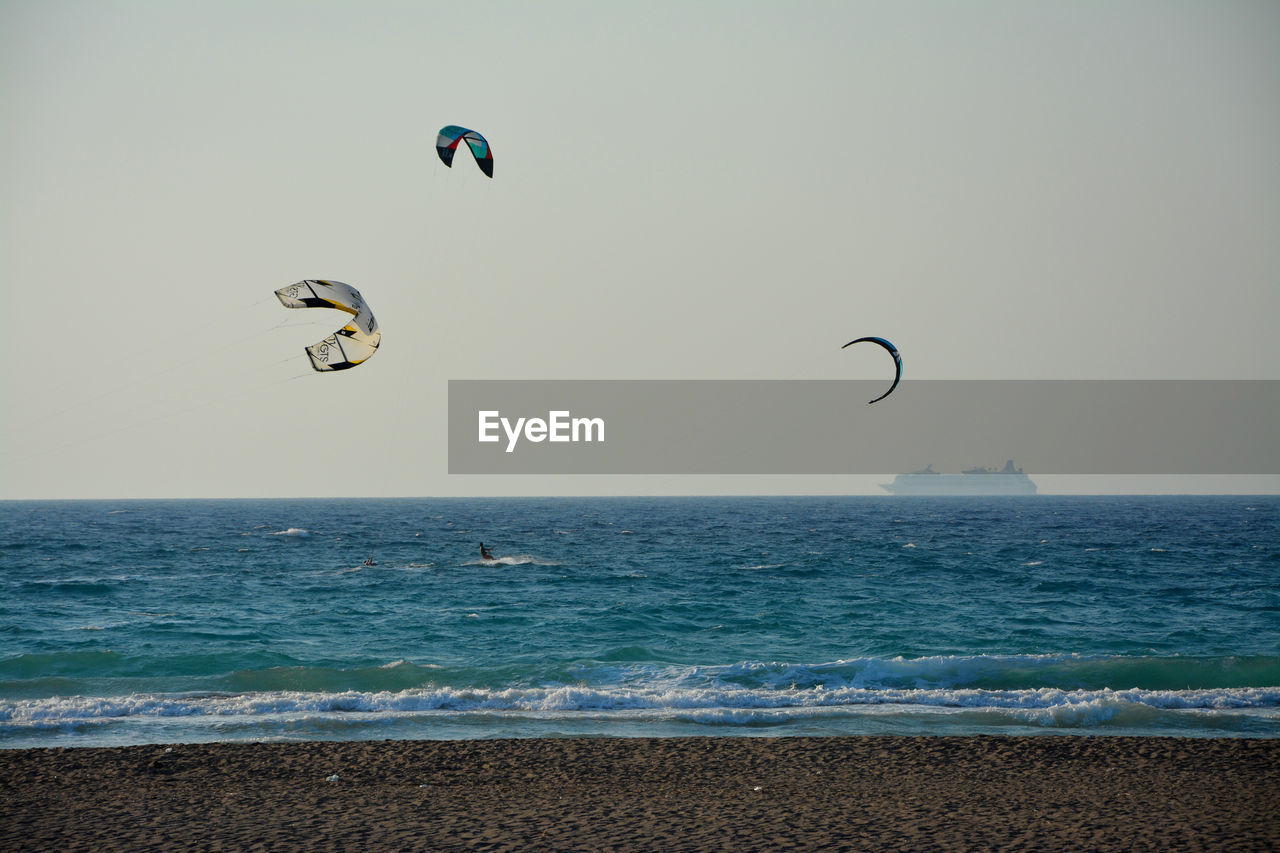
[(973, 481)]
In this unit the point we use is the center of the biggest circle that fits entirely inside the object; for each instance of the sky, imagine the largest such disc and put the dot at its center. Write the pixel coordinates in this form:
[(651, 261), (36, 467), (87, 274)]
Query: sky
[(711, 190)]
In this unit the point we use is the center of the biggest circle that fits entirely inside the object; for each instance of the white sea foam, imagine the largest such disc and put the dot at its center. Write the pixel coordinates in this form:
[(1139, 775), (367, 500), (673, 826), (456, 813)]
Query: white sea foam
[(722, 704), (512, 560)]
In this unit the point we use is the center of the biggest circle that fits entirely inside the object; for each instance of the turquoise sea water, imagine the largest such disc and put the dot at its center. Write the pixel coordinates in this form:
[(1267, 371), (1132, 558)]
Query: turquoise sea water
[(178, 621)]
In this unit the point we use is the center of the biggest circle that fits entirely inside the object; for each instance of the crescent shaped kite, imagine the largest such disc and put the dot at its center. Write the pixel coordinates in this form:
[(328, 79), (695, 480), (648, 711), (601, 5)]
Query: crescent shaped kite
[(897, 361), (355, 342), (447, 145)]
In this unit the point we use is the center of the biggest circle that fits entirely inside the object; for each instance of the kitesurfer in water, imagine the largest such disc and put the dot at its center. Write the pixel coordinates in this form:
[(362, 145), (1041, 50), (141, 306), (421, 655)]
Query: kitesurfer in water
[(485, 553)]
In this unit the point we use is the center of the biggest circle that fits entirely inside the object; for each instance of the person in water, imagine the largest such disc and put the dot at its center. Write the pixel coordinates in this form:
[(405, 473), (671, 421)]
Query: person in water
[(485, 553)]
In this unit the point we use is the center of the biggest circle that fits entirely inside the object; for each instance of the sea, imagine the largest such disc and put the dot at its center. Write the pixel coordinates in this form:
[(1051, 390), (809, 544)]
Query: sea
[(179, 621)]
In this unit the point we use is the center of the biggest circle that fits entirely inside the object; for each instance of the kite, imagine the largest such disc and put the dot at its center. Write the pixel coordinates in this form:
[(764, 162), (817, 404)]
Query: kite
[(355, 342), (447, 144), (897, 361)]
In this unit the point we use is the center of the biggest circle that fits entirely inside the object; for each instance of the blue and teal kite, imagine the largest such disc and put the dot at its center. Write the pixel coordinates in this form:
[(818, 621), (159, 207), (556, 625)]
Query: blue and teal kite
[(447, 144), (897, 361)]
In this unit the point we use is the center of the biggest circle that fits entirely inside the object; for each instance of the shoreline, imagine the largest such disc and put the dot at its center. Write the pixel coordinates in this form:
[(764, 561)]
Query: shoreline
[(1061, 792)]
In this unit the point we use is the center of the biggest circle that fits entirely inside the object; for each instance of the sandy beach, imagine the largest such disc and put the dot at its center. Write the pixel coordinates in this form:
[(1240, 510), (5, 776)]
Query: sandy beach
[(860, 793)]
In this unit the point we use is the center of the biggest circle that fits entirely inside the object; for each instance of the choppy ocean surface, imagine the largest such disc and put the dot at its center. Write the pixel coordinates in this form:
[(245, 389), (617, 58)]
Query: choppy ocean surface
[(177, 621)]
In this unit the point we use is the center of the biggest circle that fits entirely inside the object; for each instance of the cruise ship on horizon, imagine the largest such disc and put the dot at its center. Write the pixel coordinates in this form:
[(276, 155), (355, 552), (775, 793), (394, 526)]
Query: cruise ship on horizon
[(1008, 480)]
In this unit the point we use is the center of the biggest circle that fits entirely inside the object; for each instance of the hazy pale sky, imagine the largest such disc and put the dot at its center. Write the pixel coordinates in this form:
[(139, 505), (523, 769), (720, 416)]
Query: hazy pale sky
[(710, 190)]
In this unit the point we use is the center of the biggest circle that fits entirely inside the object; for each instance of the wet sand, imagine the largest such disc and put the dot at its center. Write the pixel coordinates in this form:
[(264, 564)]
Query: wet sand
[(653, 794)]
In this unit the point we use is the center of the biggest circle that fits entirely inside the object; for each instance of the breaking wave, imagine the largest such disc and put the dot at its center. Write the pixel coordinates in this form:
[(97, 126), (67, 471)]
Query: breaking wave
[(744, 694)]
